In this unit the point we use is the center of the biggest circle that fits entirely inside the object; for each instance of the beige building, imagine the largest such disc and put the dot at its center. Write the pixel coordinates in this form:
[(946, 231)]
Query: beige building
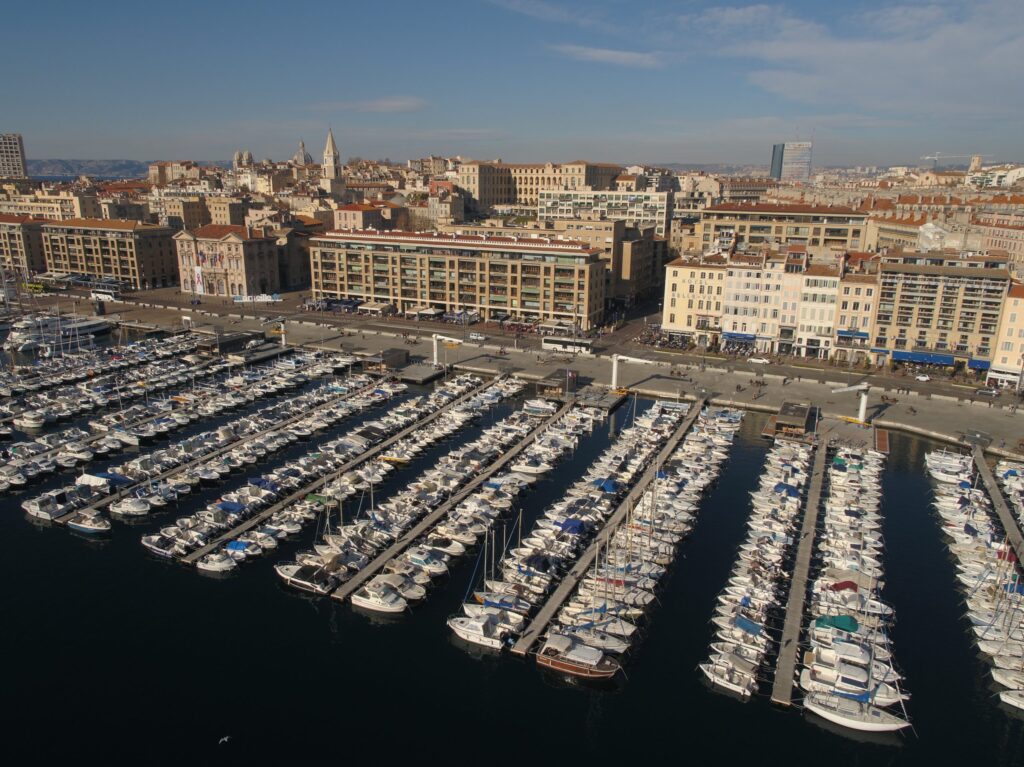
[(228, 260), (227, 211), (694, 299), (124, 209), (12, 156), (51, 204), (940, 309), (530, 280), (186, 212), (494, 183), (855, 316), (358, 215), (21, 244), (141, 255), (893, 232), (163, 173), (823, 229), (1008, 355), (1008, 237)]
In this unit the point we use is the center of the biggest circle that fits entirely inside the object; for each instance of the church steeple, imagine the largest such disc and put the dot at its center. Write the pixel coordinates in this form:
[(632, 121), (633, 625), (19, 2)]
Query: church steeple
[(332, 159)]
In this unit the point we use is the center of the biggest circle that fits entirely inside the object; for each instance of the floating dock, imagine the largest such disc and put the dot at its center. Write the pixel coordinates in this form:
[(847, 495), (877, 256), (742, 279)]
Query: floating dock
[(104, 502), (407, 538), (298, 495), (420, 373), (782, 689), (554, 603), (1010, 526), (882, 441)]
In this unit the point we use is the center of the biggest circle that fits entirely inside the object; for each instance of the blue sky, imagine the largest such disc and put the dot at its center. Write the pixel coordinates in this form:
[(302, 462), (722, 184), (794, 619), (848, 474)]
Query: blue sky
[(618, 80)]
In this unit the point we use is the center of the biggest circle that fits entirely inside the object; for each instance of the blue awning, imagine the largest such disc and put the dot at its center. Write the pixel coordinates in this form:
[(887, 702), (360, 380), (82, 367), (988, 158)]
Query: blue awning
[(851, 334), (879, 351), (925, 358), (979, 364), (739, 336)]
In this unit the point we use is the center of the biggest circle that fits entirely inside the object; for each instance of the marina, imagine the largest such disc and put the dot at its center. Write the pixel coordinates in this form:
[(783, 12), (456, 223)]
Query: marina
[(601, 528)]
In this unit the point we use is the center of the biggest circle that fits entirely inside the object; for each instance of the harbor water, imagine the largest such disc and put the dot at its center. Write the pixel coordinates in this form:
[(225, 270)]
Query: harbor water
[(112, 654)]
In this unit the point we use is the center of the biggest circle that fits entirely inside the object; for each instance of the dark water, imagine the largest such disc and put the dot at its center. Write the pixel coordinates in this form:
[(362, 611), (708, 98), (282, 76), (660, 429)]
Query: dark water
[(111, 654)]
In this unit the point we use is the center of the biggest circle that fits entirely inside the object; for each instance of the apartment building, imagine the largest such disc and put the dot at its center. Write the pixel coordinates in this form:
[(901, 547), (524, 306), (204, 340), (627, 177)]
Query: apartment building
[(819, 297), (358, 215), (12, 156), (21, 244), (939, 308), (138, 254), (824, 230), (227, 211), (186, 212), (854, 327), (124, 209), (639, 209), (693, 299), (51, 204), (494, 183), (231, 260), (1008, 354), (1008, 237), (530, 280), (163, 173)]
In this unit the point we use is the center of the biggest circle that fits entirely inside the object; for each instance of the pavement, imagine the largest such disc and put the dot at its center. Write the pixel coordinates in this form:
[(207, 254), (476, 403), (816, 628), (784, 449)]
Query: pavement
[(938, 409)]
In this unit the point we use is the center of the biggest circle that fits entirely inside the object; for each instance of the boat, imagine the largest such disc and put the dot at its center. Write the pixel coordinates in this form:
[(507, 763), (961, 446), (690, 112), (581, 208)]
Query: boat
[(852, 712), (380, 598), (569, 656), (482, 630), (315, 580), (89, 522), (216, 562), (130, 507)]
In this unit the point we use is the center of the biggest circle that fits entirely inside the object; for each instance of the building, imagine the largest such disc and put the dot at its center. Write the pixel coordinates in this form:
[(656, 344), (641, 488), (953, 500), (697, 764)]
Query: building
[(12, 156), (163, 173), (791, 161), (229, 260), (824, 230), (21, 244), (493, 183), (358, 216), (693, 299), (52, 204), (137, 254), (227, 211), (531, 280), (855, 315), (819, 298), (332, 174), (124, 209), (939, 308), (186, 212), (1007, 237), (640, 209), (1008, 355)]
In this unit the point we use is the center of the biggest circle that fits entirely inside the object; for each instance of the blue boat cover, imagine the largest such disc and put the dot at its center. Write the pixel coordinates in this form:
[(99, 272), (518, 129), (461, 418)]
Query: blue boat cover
[(573, 526), (231, 507), (235, 546), (117, 479), (747, 625), (606, 485)]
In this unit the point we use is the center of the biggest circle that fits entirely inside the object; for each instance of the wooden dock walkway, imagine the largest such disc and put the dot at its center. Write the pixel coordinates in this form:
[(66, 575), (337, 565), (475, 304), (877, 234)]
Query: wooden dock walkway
[(410, 535), (540, 622), (782, 689), (882, 441), (312, 487), (1010, 526), (106, 501)]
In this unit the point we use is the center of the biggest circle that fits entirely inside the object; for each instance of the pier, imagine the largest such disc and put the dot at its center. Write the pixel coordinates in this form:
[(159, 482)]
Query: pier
[(301, 493), (782, 689), (373, 567), (113, 497), (1006, 518), (540, 622)]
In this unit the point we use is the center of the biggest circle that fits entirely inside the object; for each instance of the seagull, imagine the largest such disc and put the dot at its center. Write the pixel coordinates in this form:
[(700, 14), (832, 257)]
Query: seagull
[(223, 740)]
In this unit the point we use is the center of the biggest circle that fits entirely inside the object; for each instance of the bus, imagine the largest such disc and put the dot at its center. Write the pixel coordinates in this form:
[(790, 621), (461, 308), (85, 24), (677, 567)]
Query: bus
[(570, 345), (105, 295)]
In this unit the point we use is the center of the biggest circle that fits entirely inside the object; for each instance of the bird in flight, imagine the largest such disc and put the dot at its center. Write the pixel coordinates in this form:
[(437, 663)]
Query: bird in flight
[(223, 740)]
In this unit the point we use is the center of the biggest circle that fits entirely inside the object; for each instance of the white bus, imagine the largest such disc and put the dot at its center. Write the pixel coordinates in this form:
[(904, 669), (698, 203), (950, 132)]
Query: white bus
[(105, 295), (570, 345)]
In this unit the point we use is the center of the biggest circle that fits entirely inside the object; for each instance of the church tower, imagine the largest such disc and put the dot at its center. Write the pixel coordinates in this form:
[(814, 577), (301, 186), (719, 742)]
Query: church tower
[(331, 179)]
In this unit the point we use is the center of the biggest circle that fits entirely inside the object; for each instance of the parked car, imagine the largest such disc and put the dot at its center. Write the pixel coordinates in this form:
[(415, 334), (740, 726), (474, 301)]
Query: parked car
[(759, 361), (477, 337), (987, 392), (922, 378)]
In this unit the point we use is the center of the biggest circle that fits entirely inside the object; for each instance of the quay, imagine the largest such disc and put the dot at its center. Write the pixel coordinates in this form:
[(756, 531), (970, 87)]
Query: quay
[(572, 578), (1010, 526), (312, 487), (373, 567), (782, 688), (113, 497)]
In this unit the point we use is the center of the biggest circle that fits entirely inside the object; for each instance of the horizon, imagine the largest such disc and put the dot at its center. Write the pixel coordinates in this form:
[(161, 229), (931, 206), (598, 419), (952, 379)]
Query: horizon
[(651, 83)]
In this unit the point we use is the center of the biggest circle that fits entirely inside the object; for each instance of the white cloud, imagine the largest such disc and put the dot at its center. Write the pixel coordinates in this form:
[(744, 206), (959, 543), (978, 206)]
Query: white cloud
[(557, 14), (387, 105), (609, 56)]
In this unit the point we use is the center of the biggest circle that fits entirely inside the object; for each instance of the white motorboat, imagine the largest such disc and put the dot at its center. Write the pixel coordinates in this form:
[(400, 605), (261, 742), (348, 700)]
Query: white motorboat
[(854, 714), (216, 562), (130, 507), (89, 522), (379, 598), (481, 630)]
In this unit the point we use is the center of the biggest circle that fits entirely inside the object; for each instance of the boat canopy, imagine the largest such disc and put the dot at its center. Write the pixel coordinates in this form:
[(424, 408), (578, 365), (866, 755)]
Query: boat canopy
[(783, 489), (843, 586), (117, 479), (606, 485), (572, 526), (231, 507), (235, 546), (841, 622), (747, 625)]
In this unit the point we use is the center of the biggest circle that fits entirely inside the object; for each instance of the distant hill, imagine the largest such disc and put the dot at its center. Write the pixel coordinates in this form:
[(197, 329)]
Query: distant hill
[(102, 168)]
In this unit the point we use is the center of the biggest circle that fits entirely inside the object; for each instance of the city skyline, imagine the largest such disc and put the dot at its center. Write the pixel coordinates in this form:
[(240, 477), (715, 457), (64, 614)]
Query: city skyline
[(662, 83)]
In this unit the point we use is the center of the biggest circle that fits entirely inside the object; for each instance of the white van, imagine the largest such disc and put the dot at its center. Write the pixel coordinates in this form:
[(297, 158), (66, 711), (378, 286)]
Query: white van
[(477, 337)]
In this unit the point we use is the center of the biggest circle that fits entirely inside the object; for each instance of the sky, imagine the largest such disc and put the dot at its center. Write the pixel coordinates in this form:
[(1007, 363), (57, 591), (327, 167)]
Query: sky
[(628, 81)]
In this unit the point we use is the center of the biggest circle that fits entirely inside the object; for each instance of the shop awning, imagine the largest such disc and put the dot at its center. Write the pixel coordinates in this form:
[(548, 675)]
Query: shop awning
[(879, 351), (979, 364), (924, 358), (739, 337), (851, 334)]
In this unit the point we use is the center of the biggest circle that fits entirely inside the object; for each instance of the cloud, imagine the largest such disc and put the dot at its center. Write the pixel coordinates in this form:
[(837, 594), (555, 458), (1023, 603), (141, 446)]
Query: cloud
[(557, 14), (609, 56), (388, 105)]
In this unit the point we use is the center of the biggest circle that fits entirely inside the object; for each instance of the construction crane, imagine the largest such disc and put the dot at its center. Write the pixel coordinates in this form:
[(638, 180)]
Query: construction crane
[(862, 411), (278, 330), (616, 358), (940, 156), (449, 342)]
